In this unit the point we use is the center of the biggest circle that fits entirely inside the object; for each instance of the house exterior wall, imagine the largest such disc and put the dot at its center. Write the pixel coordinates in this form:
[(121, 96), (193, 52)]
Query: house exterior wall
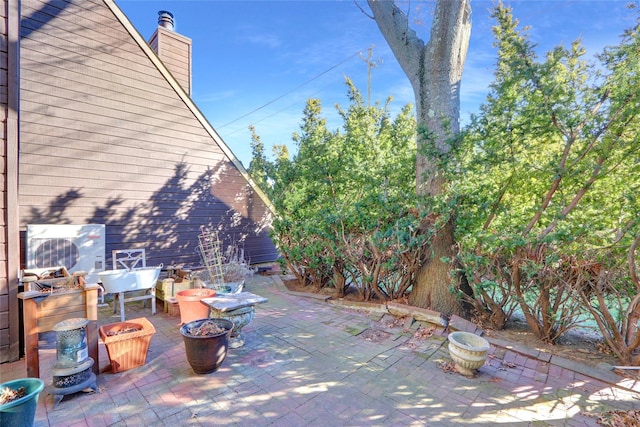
[(106, 138)]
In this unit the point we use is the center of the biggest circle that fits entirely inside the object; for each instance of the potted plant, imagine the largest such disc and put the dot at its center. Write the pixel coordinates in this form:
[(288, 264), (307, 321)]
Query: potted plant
[(206, 342), (468, 351), (191, 307), (18, 401), (127, 343)]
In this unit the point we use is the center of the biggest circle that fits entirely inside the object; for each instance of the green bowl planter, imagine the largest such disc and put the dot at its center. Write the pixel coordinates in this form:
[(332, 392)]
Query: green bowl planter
[(21, 412), (205, 353)]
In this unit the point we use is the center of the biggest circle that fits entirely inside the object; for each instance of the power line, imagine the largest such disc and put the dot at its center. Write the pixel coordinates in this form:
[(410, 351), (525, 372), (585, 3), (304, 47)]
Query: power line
[(243, 128), (292, 90)]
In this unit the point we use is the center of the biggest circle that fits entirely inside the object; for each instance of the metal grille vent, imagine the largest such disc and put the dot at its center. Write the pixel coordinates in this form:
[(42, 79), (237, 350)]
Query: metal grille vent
[(51, 252)]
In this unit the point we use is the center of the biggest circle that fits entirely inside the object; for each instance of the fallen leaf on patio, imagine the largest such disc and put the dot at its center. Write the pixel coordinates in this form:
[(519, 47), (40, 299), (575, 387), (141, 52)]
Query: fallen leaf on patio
[(424, 333), (398, 321), (448, 367), (617, 418)]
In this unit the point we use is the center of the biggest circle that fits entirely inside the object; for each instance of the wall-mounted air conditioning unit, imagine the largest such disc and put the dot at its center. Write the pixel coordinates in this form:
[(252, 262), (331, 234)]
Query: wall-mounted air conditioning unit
[(76, 247)]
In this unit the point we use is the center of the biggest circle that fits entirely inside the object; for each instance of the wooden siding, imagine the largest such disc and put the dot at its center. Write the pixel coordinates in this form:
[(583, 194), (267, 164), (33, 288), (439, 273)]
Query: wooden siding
[(106, 138), (175, 51)]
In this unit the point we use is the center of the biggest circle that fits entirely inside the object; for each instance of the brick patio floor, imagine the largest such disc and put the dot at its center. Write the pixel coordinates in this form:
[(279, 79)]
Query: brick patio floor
[(307, 361)]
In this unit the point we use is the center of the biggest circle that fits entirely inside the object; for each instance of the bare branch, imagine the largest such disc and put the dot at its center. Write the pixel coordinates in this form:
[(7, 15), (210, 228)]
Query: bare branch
[(407, 47), (362, 10)]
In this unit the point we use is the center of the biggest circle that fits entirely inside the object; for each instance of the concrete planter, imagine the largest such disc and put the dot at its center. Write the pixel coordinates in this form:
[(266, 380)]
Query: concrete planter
[(468, 351)]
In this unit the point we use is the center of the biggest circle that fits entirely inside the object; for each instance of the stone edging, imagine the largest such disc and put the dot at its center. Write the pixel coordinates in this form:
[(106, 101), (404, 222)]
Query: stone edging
[(604, 374)]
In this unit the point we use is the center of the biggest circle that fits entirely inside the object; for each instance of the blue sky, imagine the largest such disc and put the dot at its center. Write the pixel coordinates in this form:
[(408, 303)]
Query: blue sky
[(258, 62)]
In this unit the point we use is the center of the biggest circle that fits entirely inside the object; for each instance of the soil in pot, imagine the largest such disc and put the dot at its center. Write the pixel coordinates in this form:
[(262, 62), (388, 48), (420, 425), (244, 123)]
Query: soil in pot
[(206, 342)]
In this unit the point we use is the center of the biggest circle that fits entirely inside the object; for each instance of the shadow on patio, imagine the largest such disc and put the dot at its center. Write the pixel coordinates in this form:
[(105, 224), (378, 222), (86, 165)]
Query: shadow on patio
[(306, 362)]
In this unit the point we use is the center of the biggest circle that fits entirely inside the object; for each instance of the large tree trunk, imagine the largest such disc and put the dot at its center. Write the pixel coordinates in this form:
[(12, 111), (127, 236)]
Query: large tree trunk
[(434, 70)]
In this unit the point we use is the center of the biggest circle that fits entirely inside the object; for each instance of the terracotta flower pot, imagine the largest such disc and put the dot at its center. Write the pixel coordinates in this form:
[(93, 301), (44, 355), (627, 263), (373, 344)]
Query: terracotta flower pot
[(127, 343), (205, 353), (191, 307)]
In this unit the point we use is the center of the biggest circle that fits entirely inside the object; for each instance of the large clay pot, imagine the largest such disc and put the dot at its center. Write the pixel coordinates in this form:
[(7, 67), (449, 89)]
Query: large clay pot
[(127, 343), (468, 351), (191, 307), (21, 412), (205, 354)]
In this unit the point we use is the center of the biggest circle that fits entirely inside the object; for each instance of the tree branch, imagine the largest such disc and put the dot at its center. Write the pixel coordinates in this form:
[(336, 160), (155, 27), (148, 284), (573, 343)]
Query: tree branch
[(362, 10), (602, 130), (407, 47), (553, 189), (576, 199), (632, 263)]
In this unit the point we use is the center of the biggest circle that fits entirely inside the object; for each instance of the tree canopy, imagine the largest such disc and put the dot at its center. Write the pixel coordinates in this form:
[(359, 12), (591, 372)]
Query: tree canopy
[(537, 209)]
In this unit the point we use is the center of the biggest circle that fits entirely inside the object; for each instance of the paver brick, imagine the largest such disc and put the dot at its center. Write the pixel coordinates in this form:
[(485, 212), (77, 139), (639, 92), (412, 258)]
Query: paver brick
[(306, 362)]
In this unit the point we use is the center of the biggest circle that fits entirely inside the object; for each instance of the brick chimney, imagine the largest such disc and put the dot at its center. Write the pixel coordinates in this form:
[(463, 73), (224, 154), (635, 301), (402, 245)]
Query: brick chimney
[(173, 49)]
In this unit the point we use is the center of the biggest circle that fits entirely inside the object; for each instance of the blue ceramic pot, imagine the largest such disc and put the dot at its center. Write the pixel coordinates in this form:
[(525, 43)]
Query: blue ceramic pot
[(21, 412)]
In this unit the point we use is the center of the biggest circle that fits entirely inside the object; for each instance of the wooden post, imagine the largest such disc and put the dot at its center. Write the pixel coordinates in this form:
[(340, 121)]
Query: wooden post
[(30, 318), (91, 302), (41, 312)]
